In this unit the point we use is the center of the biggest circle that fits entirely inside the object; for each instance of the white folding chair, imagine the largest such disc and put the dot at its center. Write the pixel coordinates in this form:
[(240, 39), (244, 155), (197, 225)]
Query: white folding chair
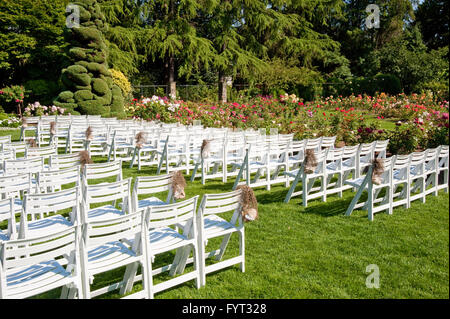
[(32, 266), (112, 243), (62, 133), (308, 191), (76, 137), (33, 220), (210, 166), (417, 176), (365, 183), (31, 126), (296, 154), (380, 148), (106, 193), (366, 154), (44, 152), (16, 186), (163, 238), (100, 171), (5, 156), (98, 145), (431, 171), (63, 161), (400, 177), (146, 185), (212, 225), (327, 142), (17, 147), (314, 144), (51, 181), (5, 139), (23, 166), (443, 169), (334, 168), (7, 212), (258, 160), (147, 154), (121, 143), (235, 152), (175, 151)]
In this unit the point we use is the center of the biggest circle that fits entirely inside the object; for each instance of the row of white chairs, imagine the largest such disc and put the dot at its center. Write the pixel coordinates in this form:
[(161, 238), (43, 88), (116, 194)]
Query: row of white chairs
[(55, 251), (342, 163), (406, 178)]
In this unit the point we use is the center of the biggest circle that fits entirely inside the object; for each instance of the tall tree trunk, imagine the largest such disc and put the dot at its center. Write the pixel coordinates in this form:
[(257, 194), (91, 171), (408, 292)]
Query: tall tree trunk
[(222, 81), (171, 61), (222, 88), (171, 81)]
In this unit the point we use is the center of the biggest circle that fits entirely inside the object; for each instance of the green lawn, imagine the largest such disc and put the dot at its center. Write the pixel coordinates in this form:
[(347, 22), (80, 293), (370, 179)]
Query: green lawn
[(317, 252)]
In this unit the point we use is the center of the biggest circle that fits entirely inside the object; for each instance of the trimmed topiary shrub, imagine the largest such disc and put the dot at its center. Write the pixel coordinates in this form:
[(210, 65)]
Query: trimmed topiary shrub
[(117, 103), (66, 96), (88, 83), (93, 107), (83, 95), (99, 86)]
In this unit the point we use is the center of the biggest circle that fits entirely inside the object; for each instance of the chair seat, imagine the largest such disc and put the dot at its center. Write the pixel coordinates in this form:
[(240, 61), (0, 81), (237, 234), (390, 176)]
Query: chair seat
[(47, 225), (121, 145), (176, 152), (3, 235), (292, 173), (151, 201), (231, 157), (216, 226), (17, 205), (165, 239), (355, 182), (26, 281), (104, 212), (358, 182), (212, 159), (147, 148), (345, 165), (108, 256)]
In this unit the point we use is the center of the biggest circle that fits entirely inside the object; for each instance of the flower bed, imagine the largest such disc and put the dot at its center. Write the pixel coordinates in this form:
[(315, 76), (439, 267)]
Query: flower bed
[(421, 121)]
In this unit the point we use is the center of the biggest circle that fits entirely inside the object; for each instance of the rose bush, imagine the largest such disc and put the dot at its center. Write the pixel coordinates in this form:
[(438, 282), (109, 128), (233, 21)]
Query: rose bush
[(36, 109), (423, 121)]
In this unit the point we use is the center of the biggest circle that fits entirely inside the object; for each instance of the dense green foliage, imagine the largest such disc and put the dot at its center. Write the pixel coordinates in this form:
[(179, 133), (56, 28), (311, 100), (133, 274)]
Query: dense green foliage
[(308, 48)]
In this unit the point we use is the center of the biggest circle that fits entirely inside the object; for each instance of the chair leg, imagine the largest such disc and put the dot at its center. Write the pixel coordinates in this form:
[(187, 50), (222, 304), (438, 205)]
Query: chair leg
[(133, 158), (196, 255), (178, 265), (128, 278), (370, 204), (324, 189), (223, 246), (354, 201), (305, 192), (422, 189), (194, 171), (204, 172), (292, 188), (201, 259), (239, 176), (242, 248)]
